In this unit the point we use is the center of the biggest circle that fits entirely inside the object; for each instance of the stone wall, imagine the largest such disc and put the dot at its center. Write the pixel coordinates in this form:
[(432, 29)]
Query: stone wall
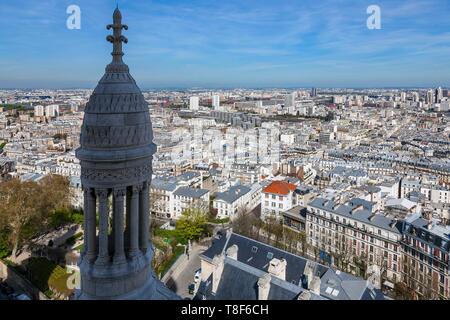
[(176, 268), (17, 281)]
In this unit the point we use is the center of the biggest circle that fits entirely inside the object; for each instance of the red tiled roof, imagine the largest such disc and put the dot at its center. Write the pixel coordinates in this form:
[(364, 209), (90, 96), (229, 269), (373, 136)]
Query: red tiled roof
[(280, 187)]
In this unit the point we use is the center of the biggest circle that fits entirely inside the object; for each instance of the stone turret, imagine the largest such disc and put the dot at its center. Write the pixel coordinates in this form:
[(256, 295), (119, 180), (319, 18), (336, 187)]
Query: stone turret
[(116, 155)]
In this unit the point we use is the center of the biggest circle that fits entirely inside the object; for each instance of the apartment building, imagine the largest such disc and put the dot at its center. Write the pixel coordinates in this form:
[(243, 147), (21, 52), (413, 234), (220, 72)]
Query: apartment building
[(432, 192), (276, 198), (170, 196), (426, 248), (237, 199), (189, 198), (231, 203), (162, 198), (354, 232)]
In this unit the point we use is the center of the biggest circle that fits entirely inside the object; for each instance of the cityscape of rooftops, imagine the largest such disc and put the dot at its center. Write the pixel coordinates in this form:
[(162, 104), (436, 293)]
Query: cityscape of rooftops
[(225, 150)]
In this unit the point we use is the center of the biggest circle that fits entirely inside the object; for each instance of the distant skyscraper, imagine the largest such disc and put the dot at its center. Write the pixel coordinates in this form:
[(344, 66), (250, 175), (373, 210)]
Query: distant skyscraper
[(445, 93), (39, 111), (194, 103), (289, 100), (403, 96), (52, 110), (74, 107), (416, 97), (216, 102), (429, 98), (313, 92), (439, 95)]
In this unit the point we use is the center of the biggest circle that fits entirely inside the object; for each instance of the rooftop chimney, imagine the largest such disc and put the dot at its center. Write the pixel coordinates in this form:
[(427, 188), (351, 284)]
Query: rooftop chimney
[(305, 295), (218, 263), (314, 286), (277, 268), (264, 287), (309, 272), (232, 252)]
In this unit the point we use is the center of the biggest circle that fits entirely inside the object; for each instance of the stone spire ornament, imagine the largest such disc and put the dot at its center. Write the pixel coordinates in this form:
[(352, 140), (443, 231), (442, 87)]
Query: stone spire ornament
[(117, 38), (116, 153)]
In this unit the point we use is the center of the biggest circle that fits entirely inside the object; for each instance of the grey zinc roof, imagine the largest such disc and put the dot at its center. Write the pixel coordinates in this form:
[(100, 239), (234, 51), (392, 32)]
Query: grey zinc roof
[(232, 275), (344, 286), (190, 192), (163, 184), (348, 172), (232, 194), (363, 215), (186, 176)]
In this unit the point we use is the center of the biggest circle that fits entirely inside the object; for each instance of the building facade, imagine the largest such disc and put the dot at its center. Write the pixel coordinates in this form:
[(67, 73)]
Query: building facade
[(356, 235)]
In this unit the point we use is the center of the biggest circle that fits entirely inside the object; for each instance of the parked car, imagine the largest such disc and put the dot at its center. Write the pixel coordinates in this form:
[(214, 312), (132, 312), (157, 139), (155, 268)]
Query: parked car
[(191, 288), (197, 275)]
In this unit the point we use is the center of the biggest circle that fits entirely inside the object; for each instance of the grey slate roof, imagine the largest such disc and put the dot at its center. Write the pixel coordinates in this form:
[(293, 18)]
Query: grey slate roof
[(343, 286), (348, 172), (186, 176), (163, 184), (345, 210), (190, 192), (261, 258), (232, 194)]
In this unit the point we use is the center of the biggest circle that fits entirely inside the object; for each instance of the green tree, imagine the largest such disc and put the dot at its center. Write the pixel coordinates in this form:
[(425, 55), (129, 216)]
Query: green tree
[(4, 245), (403, 292), (247, 225), (192, 223), (27, 206)]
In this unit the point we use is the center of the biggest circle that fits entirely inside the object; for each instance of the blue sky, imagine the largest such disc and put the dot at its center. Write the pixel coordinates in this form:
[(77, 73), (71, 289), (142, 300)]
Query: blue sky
[(228, 43)]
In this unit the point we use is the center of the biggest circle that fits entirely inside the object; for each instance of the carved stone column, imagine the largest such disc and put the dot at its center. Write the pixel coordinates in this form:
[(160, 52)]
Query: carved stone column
[(103, 254), (144, 218), (119, 250), (127, 219), (134, 222), (85, 221), (91, 225)]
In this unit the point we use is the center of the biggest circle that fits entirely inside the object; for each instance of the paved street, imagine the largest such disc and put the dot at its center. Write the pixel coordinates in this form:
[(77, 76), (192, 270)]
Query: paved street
[(180, 283)]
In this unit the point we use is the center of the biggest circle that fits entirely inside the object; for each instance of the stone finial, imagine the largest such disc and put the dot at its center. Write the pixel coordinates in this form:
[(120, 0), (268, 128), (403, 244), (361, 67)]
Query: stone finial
[(117, 38)]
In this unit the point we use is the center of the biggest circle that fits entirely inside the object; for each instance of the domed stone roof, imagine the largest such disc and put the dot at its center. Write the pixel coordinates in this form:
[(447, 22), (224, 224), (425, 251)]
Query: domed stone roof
[(116, 126)]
